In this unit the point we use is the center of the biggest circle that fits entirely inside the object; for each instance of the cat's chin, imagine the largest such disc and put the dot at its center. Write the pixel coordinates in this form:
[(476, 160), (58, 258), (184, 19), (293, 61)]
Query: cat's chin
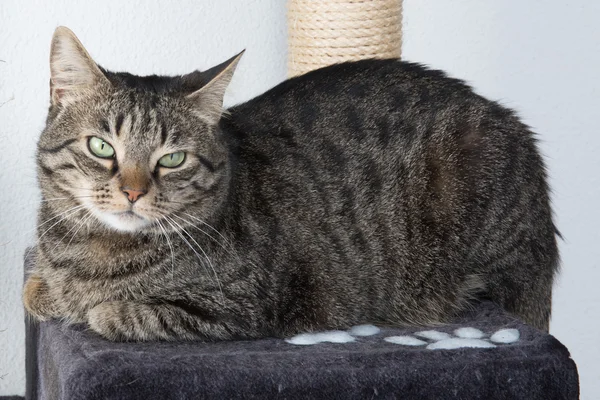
[(125, 221)]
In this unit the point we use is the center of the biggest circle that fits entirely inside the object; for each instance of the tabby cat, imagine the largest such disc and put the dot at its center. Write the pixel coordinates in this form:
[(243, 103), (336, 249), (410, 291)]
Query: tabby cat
[(376, 191)]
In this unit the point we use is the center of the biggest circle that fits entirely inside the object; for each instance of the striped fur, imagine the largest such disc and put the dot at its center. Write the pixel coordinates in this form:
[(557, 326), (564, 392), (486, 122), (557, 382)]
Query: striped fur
[(371, 192)]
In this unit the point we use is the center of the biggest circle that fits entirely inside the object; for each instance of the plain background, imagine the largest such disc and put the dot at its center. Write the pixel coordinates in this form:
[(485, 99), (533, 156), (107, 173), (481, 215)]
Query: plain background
[(541, 58)]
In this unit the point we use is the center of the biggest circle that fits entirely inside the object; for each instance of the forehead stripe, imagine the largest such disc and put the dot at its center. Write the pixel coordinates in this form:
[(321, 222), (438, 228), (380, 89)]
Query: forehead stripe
[(210, 166), (57, 148), (164, 133), (119, 123)]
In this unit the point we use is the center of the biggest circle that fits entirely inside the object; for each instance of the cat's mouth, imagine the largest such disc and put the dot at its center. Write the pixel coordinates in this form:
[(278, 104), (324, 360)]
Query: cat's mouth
[(128, 215), (127, 221), (131, 218)]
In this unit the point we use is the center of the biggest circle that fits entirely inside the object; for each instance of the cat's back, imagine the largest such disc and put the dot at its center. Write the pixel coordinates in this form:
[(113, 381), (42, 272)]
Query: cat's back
[(353, 92), (380, 139), (375, 139), (378, 105), (369, 114)]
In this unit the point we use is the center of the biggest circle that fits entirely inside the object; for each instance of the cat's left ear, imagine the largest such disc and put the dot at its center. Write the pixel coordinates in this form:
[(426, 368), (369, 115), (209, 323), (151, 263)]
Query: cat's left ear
[(209, 98)]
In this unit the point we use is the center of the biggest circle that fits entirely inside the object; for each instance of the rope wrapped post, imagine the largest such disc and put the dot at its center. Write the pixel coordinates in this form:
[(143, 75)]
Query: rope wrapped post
[(325, 32)]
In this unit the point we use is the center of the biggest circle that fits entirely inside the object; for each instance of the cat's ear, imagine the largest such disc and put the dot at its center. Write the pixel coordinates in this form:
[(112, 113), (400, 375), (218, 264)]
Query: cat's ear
[(72, 71), (209, 98)]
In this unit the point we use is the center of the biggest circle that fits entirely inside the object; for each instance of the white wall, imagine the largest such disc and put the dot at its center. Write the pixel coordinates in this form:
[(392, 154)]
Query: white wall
[(540, 57)]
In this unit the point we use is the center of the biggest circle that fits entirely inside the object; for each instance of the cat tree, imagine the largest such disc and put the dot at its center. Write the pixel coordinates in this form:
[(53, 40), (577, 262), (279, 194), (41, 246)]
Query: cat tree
[(72, 362), (325, 32)]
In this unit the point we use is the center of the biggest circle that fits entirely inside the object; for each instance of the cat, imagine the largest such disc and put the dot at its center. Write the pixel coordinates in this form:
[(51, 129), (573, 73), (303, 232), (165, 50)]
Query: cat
[(376, 191)]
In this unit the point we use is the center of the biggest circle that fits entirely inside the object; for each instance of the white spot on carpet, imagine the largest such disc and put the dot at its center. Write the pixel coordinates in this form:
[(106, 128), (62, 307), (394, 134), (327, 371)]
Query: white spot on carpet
[(305, 339), (463, 337), (405, 340), (456, 343), (468, 333), (364, 330), (433, 335), (505, 336)]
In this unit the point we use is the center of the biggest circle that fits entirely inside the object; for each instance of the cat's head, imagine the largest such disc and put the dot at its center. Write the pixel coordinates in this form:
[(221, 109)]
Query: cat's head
[(131, 150)]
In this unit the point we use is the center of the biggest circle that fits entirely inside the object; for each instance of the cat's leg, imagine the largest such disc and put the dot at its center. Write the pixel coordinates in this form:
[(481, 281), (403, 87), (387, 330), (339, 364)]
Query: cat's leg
[(521, 283), (37, 300), (133, 321), (530, 301)]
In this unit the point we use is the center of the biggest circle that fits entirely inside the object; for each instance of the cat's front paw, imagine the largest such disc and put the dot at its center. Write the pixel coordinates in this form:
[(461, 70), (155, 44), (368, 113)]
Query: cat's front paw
[(37, 300), (106, 320), (121, 321)]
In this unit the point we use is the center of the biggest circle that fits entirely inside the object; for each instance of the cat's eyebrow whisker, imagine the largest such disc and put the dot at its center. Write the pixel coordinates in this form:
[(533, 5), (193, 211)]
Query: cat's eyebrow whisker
[(174, 223)]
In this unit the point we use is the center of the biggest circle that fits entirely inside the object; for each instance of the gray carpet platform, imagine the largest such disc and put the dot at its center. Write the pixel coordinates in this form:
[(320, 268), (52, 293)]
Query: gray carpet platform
[(71, 362)]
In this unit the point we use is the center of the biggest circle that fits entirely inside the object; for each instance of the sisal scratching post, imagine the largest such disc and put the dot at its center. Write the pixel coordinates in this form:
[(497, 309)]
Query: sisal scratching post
[(324, 32)]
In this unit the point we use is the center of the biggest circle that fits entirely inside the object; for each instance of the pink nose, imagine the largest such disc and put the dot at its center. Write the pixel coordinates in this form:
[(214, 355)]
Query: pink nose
[(132, 194)]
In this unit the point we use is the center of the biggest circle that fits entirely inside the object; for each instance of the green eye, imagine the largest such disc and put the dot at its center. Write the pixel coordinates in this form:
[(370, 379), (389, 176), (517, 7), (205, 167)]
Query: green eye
[(100, 148), (172, 160)]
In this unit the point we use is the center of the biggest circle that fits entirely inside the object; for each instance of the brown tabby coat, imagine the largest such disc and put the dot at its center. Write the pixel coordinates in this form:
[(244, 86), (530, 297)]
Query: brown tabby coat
[(377, 191)]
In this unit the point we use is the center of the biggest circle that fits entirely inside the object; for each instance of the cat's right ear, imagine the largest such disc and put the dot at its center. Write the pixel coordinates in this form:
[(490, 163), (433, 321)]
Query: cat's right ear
[(73, 73)]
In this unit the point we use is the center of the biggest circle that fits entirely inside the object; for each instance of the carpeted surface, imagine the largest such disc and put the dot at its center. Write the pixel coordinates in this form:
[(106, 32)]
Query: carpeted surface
[(74, 363)]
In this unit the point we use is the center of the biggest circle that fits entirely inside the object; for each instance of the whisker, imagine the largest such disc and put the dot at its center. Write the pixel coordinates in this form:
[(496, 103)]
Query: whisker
[(229, 250), (84, 221), (200, 229), (172, 221), (69, 231), (166, 235), (65, 198), (182, 237), (53, 218), (208, 225), (71, 211)]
